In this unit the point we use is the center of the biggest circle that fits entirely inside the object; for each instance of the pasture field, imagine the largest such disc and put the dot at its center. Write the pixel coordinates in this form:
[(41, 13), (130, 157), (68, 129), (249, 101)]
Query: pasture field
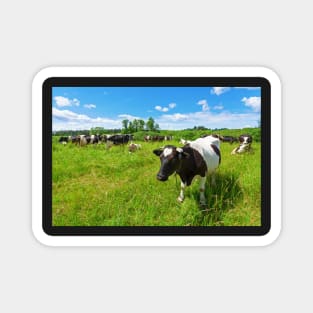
[(94, 186)]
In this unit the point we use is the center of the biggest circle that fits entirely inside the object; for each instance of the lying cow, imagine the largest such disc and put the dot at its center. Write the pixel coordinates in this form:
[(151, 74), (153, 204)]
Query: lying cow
[(133, 147), (200, 157), (245, 144)]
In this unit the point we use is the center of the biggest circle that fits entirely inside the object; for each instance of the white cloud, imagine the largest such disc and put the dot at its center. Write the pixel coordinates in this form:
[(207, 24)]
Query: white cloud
[(171, 105), (159, 108), (66, 119), (90, 106), (76, 102), (62, 101), (128, 117), (175, 117), (66, 102), (219, 90), (204, 104), (218, 107), (208, 119), (253, 102)]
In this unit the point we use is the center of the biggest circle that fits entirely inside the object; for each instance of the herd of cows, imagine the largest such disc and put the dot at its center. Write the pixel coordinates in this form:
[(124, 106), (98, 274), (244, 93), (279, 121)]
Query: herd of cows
[(83, 140), (197, 157)]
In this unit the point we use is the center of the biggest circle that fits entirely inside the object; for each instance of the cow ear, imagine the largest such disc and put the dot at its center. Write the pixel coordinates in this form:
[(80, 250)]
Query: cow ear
[(158, 152), (182, 154)]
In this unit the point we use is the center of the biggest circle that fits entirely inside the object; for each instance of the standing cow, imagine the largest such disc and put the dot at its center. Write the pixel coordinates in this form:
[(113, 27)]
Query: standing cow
[(199, 157), (118, 140), (230, 139), (63, 140)]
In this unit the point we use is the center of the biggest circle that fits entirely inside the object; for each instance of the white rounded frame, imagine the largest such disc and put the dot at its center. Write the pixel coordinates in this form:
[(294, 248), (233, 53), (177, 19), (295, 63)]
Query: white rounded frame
[(206, 240)]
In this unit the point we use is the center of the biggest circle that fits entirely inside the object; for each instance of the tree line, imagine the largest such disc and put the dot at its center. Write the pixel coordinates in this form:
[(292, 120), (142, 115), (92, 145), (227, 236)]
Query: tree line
[(128, 127), (137, 125)]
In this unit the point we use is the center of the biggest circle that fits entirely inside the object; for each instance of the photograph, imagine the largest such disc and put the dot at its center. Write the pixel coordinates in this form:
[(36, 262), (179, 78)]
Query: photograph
[(156, 156)]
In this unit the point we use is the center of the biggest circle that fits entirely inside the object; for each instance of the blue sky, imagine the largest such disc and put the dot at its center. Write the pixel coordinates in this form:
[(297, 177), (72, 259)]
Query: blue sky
[(78, 108)]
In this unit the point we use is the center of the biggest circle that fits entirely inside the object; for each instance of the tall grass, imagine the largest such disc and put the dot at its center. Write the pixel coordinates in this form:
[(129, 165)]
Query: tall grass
[(93, 186)]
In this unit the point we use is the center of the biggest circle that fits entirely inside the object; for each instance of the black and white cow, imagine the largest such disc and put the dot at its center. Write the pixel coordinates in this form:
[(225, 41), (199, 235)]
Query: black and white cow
[(118, 140), (158, 138), (73, 139), (245, 144), (147, 138), (184, 142), (93, 139), (230, 139), (63, 140), (82, 140), (199, 157)]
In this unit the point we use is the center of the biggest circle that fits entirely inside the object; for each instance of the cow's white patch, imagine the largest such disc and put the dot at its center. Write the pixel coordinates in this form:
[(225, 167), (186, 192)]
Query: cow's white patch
[(242, 148), (180, 150), (203, 146), (167, 151), (245, 140)]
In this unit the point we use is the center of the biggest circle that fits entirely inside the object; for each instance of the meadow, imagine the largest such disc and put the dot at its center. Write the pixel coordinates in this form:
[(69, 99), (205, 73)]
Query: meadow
[(95, 186)]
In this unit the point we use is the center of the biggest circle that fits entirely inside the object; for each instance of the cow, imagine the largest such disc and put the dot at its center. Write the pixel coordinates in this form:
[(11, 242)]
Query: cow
[(157, 138), (103, 138), (133, 147), (95, 139), (245, 144), (147, 138), (82, 140), (75, 139), (220, 137), (229, 139), (118, 140), (199, 157), (63, 140), (184, 142)]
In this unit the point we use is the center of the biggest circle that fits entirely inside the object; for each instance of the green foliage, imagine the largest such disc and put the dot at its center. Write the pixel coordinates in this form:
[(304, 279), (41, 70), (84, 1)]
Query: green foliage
[(93, 186)]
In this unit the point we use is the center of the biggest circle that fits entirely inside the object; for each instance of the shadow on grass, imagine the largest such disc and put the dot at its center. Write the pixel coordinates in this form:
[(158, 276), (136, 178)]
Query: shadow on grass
[(221, 197)]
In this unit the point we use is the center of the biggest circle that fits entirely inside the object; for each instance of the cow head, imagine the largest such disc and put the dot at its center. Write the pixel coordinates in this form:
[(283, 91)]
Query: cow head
[(171, 158), (245, 141)]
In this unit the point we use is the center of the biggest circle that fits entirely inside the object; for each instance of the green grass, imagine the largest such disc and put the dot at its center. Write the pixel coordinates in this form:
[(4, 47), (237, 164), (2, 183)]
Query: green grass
[(93, 186)]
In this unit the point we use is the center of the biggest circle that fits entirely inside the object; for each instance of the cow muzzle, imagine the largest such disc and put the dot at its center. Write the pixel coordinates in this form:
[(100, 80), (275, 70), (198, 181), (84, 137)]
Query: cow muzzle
[(162, 177)]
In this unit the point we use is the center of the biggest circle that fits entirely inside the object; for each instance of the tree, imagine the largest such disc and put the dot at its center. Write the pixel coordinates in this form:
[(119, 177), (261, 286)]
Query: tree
[(125, 124), (131, 128), (97, 131), (150, 124), (135, 125), (141, 125)]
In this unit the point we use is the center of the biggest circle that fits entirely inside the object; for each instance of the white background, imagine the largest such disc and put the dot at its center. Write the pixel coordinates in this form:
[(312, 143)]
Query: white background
[(37, 34)]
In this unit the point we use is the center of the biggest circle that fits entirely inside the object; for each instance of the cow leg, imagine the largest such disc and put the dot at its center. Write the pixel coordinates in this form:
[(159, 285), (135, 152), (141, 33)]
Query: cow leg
[(235, 150), (182, 189), (202, 189)]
